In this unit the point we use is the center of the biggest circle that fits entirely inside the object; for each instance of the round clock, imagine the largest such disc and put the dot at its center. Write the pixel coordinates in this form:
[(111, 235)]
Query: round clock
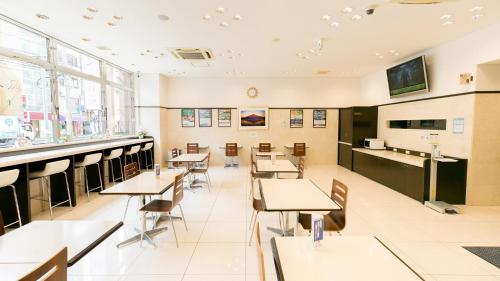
[(252, 92)]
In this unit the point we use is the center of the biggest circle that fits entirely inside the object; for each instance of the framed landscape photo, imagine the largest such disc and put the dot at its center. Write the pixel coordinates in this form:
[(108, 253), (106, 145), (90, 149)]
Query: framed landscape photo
[(253, 118), (224, 117), (187, 117), (296, 118), (319, 118), (205, 117)]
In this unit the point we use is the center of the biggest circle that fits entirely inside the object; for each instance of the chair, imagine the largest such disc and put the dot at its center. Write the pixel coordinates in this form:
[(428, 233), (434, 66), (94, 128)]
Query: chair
[(334, 220), (260, 254), (88, 160), (231, 153), (193, 148), (130, 171), (299, 150), (7, 179), (203, 170), (115, 154), (264, 147), (148, 148), (256, 175), (52, 168), (175, 152), (54, 269), (2, 227), (166, 206), (134, 150), (257, 208)]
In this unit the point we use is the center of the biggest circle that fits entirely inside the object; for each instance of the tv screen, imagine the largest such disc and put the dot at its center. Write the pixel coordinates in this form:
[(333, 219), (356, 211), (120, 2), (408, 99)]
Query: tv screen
[(408, 77)]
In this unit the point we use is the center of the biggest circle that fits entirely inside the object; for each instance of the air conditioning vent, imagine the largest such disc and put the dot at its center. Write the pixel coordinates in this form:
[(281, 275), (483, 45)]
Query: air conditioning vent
[(192, 54)]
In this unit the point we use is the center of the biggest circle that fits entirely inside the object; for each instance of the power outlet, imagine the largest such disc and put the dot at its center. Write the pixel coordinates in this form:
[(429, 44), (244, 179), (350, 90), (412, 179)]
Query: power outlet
[(407, 152), (422, 154)]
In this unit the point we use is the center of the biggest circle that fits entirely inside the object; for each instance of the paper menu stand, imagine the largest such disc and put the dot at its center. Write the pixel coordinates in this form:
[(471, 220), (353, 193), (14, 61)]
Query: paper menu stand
[(317, 228), (157, 170)]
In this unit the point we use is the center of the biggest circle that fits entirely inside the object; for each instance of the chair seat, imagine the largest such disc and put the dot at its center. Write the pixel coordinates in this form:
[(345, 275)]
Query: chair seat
[(51, 168), (161, 206), (257, 205), (8, 177), (115, 153), (89, 159), (330, 224)]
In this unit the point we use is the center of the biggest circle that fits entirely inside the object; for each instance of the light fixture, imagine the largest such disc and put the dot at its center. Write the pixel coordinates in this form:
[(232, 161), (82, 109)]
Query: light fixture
[(477, 16), (42, 16), (356, 17), (223, 24), (133, 64), (276, 40), (92, 9), (162, 54), (396, 54), (143, 54), (446, 23), (312, 51), (335, 24), (237, 17), (163, 17), (392, 51), (377, 54), (148, 51), (446, 17), (380, 57), (230, 51), (87, 17), (110, 23), (299, 54), (85, 39), (207, 17), (326, 17), (347, 10), (477, 9), (220, 10), (114, 54), (118, 17)]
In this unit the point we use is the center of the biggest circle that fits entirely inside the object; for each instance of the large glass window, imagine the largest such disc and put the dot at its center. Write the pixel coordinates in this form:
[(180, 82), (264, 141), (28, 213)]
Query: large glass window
[(25, 103), (77, 61), (20, 40), (119, 108)]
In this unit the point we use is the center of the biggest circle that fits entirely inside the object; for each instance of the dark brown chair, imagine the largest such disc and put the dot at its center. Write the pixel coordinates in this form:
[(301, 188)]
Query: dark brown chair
[(166, 206), (55, 269), (193, 148), (264, 147), (257, 208), (175, 153), (203, 170), (129, 171), (231, 153), (335, 220), (299, 149), (260, 254), (2, 228)]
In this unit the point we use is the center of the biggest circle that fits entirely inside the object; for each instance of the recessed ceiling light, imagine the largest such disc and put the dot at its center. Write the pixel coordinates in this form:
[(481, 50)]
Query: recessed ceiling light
[(299, 54), (148, 51), (240, 54), (477, 16), (392, 51), (87, 17), (276, 39), (380, 57), (477, 9), (143, 54), (114, 54), (207, 17), (396, 54), (230, 57), (305, 57), (42, 16), (447, 23), (103, 48), (326, 17), (133, 64), (237, 17), (312, 51), (335, 24), (377, 54), (163, 17), (446, 17), (85, 39), (110, 23), (356, 17), (92, 9), (347, 10), (156, 57), (220, 10), (162, 54), (118, 17), (230, 51), (318, 54), (223, 24)]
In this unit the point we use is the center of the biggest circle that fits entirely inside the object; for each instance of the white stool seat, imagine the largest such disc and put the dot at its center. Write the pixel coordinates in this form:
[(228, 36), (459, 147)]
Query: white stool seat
[(51, 168), (89, 159), (8, 177), (147, 146), (115, 153), (133, 150)]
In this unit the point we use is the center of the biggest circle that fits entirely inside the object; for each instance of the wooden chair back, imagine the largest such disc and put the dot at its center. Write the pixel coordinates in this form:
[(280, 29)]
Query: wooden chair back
[(131, 170), (207, 164), (300, 167), (260, 254), (175, 153), (339, 195), (231, 149), (193, 148), (264, 147), (2, 228), (299, 149), (178, 192), (251, 157), (54, 269)]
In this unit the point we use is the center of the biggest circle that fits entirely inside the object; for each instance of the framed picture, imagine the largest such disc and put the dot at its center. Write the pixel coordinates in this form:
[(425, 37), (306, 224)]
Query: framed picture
[(224, 117), (296, 118), (319, 118), (205, 117), (253, 118), (187, 117)]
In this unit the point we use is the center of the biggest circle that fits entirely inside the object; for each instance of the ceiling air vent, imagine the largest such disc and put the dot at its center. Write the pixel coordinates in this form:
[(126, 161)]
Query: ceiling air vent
[(192, 54)]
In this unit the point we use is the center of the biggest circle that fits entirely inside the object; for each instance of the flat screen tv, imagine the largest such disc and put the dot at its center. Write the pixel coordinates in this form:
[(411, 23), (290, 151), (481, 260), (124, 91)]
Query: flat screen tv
[(408, 77)]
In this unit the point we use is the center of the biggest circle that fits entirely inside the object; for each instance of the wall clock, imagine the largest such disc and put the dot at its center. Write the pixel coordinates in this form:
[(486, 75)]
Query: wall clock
[(252, 92)]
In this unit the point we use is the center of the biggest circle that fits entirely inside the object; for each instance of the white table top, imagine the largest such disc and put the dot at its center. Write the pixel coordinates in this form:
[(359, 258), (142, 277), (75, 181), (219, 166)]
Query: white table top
[(28, 157), (277, 153), (193, 157), (294, 195), (37, 241), (16, 271), (146, 183), (280, 166), (346, 258), (396, 156)]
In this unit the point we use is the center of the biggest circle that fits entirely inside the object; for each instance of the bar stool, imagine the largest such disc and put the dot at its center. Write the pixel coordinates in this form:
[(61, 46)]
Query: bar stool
[(134, 150), (7, 179), (147, 148), (52, 168), (88, 160), (115, 153)]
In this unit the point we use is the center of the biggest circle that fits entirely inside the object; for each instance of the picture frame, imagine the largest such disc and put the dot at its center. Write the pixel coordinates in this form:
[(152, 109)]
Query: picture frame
[(319, 118), (254, 118), (187, 117), (204, 117), (296, 118), (224, 117)]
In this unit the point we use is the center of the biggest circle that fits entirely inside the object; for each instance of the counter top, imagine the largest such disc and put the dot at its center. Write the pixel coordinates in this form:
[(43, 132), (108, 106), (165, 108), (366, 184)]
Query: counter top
[(395, 156)]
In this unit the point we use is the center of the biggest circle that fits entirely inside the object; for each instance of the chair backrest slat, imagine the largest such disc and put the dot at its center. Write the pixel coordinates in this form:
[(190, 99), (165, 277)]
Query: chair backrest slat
[(231, 149), (178, 192), (2, 228), (54, 269), (175, 153), (193, 148), (339, 195), (299, 149), (131, 170), (264, 147)]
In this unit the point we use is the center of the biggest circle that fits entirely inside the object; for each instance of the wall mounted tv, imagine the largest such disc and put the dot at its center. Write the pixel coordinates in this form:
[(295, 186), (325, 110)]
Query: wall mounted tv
[(408, 77)]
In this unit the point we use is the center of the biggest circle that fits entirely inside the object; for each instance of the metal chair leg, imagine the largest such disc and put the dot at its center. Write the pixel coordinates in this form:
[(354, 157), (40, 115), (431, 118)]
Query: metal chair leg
[(253, 229), (50, 198), (86, 182), (121, 168), (99, 172), (126, 208), (173, 228), (112, 172), (183, 218), (17, 205), (67, 189)]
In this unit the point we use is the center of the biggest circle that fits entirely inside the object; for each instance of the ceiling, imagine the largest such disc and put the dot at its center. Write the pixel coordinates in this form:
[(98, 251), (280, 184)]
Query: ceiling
[(264, 42)]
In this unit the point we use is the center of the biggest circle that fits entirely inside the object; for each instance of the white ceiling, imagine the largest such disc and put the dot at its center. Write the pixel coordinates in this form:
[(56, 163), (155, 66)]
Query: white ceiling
[(348, 50)]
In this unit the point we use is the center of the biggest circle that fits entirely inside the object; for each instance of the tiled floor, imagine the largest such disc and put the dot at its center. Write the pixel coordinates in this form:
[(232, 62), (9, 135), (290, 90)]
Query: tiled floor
[(215, 247)]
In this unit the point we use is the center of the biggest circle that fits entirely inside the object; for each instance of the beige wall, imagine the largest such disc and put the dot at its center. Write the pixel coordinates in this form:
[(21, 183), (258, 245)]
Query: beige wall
[(322, 141), (488, 77)]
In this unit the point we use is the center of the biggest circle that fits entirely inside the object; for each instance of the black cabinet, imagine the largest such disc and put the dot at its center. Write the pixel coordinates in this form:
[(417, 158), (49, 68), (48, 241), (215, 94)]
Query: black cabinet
[(345, 155)]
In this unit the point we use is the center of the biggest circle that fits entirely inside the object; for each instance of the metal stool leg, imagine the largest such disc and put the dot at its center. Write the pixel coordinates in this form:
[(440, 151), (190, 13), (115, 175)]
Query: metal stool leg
[(112, 170), (50, 198), (17, 205), (121, 168), (183, 218), (86, 182), (67, 189), (99, 172)]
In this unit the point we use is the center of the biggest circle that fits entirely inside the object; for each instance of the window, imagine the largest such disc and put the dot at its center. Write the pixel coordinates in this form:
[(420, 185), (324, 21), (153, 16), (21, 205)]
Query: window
[(23, 41), (77, 61), (25, 103), (119, 101), (118, 76)]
